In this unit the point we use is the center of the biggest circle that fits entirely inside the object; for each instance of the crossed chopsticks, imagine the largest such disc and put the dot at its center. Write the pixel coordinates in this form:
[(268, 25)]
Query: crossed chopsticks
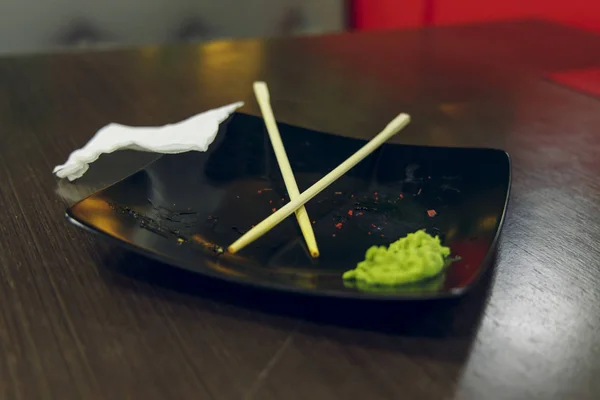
[(297, 199)]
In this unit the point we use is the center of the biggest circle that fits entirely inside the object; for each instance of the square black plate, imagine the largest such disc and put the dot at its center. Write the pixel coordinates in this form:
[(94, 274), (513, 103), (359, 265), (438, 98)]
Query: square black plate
[(179, 208)]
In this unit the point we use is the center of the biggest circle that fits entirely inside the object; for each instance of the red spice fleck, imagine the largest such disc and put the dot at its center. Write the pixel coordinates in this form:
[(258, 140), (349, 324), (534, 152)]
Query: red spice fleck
[(338, 192), (401, 196), (374, 226), (419, 192), (270, 201), (339, 225), (350, 212), (260, 191), (273, 209), (431, 213), (360, 214), (375, 194)]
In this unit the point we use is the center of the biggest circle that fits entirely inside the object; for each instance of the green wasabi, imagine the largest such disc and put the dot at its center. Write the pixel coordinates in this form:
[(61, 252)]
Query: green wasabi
[(413, 258), (427, 285)]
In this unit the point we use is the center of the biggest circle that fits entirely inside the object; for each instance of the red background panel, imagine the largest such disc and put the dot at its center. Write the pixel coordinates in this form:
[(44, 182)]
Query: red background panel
[(465, 11), (580, 13), (384, 14)]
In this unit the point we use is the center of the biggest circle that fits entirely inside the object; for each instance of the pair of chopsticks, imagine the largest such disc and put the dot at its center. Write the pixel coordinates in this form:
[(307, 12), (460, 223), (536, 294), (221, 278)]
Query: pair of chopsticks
[(297, 199)]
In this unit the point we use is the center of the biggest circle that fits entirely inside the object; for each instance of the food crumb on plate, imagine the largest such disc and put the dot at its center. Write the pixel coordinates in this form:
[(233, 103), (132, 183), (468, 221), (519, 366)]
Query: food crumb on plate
[(350, 212), (431, 213)]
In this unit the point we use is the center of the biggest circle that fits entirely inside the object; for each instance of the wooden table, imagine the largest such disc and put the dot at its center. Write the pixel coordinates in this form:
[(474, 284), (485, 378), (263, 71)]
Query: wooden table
[(80, 319)]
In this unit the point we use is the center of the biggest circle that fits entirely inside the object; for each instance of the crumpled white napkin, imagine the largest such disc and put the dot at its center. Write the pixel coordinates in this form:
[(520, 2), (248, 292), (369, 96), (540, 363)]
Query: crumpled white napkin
[(193, 134)]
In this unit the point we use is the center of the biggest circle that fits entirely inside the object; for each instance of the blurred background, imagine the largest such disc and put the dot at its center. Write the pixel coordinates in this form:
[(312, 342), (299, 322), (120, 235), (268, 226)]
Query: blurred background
[(34, 26), (28, 26), (376, 14)]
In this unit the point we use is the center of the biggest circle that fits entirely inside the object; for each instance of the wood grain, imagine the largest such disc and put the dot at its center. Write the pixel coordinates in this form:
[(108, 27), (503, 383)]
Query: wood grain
[(81, 319)]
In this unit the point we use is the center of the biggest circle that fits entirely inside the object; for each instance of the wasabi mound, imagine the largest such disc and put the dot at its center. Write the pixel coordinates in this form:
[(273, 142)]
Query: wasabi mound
[(413, 258)]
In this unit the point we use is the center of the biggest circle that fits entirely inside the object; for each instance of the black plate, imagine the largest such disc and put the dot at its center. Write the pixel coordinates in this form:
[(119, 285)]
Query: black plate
[(179, 208)]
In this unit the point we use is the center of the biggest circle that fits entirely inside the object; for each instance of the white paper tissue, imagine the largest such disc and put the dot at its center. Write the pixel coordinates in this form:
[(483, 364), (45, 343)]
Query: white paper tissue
[(193, 134)]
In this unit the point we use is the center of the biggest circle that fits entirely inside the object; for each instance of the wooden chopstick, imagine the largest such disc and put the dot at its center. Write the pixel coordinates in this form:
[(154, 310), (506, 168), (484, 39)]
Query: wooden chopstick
[(262, 96), (263, 227)]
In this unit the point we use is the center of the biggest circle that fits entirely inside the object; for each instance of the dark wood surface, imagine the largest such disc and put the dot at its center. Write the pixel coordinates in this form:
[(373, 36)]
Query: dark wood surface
[(80, 319)]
